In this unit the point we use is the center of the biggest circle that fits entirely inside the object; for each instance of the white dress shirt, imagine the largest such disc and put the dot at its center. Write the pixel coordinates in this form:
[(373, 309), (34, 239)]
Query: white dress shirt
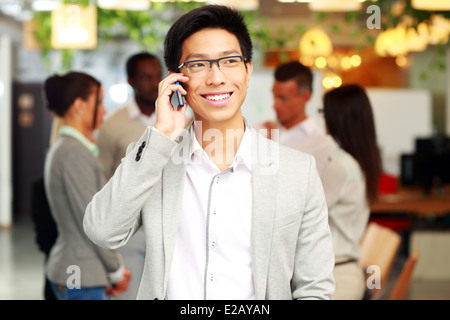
[(348, 209), (212, 256), (134, 113), (305, 136)]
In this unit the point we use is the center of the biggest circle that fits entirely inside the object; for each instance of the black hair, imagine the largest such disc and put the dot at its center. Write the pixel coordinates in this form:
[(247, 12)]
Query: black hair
[(294, 70), (208, 16), (61, 91), (350, 121), (133, 60)]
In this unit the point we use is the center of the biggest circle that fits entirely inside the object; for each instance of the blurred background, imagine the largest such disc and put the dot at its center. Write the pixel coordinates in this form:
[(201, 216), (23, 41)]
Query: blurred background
[(397, 49)]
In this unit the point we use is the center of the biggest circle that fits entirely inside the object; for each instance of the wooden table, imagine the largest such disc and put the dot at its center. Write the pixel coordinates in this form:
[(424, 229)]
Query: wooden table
[(414, 202)]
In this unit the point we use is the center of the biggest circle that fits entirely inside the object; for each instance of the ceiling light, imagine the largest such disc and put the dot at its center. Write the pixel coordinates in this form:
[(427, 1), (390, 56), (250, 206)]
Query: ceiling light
[(431, 5), (335, 5), (239, 4), (315, 42), (74, 27), (124, 4), (44, 5)]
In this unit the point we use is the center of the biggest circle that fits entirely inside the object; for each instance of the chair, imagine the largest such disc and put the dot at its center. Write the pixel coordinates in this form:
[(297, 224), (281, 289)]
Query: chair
[(402, 284), (379, 247)]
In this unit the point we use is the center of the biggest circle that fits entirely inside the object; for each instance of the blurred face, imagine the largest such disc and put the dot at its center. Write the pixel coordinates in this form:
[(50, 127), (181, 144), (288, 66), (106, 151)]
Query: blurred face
[(216, 95), (146, 80), (289, 105)]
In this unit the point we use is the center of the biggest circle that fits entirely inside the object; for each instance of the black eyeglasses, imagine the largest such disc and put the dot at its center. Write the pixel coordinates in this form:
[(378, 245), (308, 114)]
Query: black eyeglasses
[(225, 64)]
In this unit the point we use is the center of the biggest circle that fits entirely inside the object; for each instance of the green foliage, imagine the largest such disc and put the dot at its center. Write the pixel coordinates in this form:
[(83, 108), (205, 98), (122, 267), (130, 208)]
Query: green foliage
[(42, 32), (148, 28)]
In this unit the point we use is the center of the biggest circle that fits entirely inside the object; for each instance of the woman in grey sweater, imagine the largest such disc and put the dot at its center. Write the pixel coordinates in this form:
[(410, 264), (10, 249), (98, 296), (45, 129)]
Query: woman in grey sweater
[(76, 267)]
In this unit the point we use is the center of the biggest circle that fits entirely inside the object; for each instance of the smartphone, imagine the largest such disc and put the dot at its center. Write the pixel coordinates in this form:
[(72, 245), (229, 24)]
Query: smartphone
[(179, 97)]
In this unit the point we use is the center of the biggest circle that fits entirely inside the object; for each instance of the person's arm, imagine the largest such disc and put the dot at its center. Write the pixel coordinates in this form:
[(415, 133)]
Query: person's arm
[(44, 224), (113, 215), (314, 257)]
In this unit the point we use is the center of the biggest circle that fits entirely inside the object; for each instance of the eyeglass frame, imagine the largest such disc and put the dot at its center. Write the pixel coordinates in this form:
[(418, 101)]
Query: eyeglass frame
[(211, 61)]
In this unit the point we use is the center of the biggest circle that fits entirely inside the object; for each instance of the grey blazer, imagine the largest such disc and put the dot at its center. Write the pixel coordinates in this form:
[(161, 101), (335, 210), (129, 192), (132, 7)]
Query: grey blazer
[(292, 253), (72, 177)]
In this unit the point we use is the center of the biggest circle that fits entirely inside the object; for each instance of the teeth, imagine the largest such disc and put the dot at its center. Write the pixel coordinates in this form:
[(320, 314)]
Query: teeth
[(218, 97)]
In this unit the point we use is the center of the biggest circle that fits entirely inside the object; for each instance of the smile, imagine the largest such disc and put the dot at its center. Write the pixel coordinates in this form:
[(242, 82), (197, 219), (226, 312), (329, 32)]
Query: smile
[(217, 97)]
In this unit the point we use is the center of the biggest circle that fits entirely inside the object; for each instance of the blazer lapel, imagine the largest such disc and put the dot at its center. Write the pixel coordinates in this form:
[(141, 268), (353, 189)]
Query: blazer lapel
[(264, 156), (173, 178)]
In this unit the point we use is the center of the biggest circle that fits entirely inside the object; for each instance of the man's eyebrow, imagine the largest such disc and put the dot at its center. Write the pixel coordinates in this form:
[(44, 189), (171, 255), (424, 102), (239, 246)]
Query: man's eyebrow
[(194, 56)]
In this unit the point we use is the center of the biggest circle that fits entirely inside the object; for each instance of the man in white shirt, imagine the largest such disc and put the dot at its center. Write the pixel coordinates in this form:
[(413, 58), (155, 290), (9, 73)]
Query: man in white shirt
[(292, 89), (227, 213)]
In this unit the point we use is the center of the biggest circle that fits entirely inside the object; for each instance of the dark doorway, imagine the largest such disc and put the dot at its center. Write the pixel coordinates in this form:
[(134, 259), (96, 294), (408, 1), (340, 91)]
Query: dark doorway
[(31, 134)]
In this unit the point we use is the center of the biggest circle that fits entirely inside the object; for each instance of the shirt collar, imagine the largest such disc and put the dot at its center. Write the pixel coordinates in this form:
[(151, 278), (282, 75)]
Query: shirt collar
[(77, 135), (134, 113), (243, 155)]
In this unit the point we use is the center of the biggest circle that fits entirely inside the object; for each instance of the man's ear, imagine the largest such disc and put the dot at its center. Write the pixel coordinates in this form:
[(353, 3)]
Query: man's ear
[(306, 95), (130, 82), (249, 71)]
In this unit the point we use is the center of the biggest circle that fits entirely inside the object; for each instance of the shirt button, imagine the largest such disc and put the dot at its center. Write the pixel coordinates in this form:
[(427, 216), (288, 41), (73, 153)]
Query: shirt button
[(213, 244), (211, 277)]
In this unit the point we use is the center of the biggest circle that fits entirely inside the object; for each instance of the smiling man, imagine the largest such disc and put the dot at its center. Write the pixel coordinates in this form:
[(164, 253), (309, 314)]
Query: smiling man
[(227, 213)]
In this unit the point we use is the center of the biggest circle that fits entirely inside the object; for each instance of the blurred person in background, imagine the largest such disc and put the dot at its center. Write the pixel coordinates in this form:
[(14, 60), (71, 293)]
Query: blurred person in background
[(43, 222), (348, 161), (292, 89), (350, 179), (126, 125), (76, 267)]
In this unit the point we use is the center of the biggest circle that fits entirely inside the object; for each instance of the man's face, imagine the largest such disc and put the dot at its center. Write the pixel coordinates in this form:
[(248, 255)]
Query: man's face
[(146, 80), (215, 95), (289, 105)]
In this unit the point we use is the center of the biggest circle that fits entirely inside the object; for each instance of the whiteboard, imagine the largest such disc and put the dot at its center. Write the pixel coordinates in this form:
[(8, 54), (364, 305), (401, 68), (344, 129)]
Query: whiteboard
[(401, 116)]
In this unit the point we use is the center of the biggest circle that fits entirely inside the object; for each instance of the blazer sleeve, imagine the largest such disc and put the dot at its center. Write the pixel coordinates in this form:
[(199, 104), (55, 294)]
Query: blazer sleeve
[(113, 215), (314, 258)]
